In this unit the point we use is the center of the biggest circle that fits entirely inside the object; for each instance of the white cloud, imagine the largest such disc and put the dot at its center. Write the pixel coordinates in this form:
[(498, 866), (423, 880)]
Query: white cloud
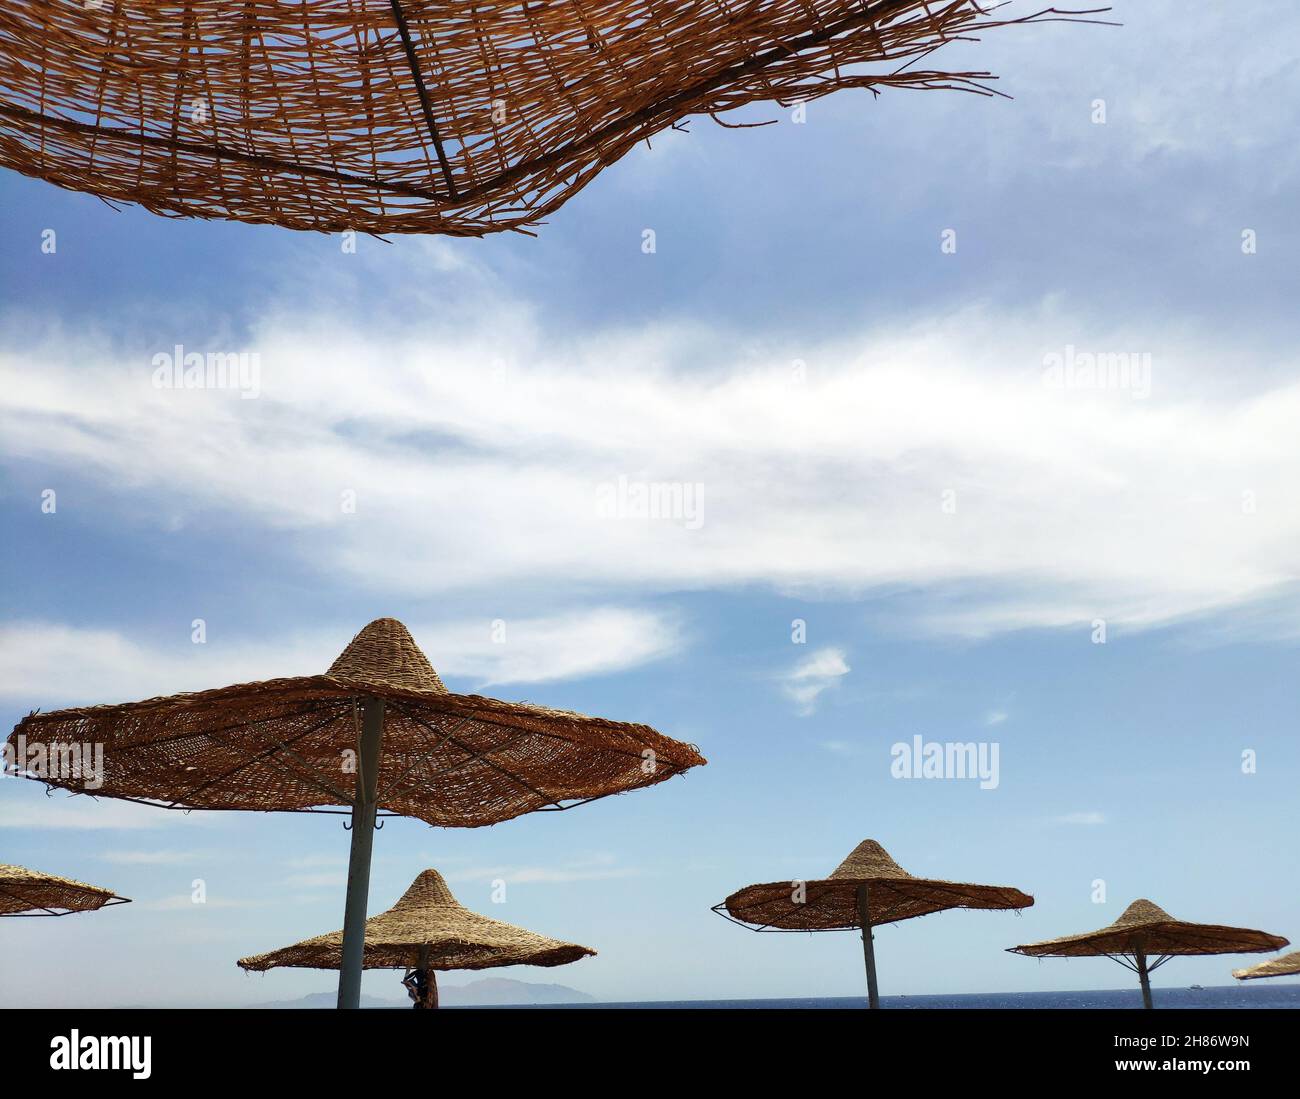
[(83, 814), (1086, 818), (804, 683), (307, 862), (184, 902), (149, 858), (593, 868), (325, 878), (477, 461), (535, 650), (995, 717), (35, 656)]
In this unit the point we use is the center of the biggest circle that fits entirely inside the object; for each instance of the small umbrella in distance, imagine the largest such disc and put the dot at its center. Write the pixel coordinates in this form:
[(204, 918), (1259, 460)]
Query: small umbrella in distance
[(26, 892), (1145, 931), (426, 931), (377, 731), (866, 890)]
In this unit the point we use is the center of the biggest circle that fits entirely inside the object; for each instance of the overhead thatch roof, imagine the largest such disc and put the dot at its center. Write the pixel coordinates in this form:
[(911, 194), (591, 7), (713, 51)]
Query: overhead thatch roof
[(1286, 966), (827, 904), (428, 916), (1147, 929), (31, 892), (290, 744), (415, 115)]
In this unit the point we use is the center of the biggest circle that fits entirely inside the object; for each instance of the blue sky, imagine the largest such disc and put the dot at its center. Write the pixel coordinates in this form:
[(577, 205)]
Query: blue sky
[(800, 347)]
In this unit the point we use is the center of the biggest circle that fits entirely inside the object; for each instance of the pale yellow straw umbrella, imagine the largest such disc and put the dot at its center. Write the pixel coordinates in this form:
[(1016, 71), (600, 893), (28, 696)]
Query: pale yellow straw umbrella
[(378, 731), (425, 931), (866, 890), (26, 892), (1286, 966), (1145, 932)]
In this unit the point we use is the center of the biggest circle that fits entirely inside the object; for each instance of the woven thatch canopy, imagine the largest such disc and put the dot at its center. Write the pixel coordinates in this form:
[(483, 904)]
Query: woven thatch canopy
[(414, 115), (1286, 966), (829, 904), (1146, 929), (26, 892), (428, 916), (290, 744)]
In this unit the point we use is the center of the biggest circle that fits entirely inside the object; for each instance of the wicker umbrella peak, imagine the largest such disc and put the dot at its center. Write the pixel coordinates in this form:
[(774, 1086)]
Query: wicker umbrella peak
[(429, 890), (385, 652), (1143, 911), (869, 861), (428, 923), (1286, 966)]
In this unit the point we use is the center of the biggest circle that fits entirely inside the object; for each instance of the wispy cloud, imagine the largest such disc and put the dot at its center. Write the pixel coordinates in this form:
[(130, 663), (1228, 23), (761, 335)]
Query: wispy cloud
[(84, 815), (325, 878), (308, 862), (995, 717), (1085, 818), (815, 673), (594, 868), (35, 656), (917, 456), (184, 902), (150, 858)]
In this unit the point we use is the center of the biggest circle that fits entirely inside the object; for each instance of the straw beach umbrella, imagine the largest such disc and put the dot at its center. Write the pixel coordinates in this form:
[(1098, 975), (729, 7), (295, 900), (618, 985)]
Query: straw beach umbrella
[(866, 890), (1286, 966), (26, 892), (378, 731), (1145, 932), (413, 115), (428, 930)]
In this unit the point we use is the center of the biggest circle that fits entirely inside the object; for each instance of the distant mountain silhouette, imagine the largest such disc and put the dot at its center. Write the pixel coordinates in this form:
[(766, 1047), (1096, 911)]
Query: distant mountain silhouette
[(489, 991)]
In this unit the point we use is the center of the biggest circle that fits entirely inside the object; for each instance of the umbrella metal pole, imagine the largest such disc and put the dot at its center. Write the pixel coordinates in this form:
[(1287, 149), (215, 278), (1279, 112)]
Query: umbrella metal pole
[(430, 979), (1143, 976), (363, 837), (868, 948)]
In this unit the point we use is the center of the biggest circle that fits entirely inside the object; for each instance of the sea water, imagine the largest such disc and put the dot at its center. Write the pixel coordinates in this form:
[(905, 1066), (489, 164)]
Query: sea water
[(1256, 995)]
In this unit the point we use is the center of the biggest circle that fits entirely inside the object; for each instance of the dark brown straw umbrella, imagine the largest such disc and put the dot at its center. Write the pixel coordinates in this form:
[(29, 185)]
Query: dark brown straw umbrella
[(377, 732), (866, 890), (427, 930), (391, 116), (1146, 932), (26, 892), (1286, 966)]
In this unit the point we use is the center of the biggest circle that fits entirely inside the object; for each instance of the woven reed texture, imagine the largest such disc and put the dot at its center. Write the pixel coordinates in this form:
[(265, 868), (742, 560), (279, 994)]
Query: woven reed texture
[(30, 891), (1286, 966), (418, 116), (1146, 928), (456, 761), (428, 915), (892, 895)]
